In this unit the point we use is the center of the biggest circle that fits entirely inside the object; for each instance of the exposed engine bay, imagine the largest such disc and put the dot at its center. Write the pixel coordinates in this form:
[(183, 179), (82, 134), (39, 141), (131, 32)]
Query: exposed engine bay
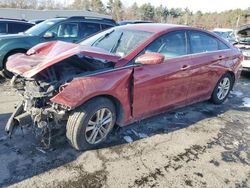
[(36, 109)]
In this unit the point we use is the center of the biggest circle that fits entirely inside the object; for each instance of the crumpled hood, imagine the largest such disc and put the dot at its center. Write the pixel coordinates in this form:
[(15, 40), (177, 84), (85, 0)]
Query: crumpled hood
[(47, 54)]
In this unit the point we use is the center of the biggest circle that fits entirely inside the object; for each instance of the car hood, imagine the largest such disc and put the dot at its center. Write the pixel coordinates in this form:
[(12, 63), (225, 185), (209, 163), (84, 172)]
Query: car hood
[(47, 54)]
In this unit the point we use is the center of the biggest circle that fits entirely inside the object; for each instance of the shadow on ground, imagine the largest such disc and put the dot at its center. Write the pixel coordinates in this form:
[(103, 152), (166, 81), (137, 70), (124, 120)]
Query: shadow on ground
[(25, 160)]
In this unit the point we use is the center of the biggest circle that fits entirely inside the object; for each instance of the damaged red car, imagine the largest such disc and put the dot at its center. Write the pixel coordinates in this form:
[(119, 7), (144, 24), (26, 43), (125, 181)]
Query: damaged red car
[(119, 76)]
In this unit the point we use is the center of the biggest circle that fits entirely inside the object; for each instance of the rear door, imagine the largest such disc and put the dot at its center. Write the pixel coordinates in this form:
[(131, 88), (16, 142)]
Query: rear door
[(88, 28), (161, 86), (207, 52)]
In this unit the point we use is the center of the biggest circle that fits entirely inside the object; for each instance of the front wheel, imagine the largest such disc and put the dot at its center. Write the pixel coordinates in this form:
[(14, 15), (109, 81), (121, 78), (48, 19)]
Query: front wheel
[(90, 125), (222, 89)]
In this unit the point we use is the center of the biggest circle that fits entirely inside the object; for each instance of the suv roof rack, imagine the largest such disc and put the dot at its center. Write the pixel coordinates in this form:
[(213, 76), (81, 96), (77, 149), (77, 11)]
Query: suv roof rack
[(14, 19), (92, 17)]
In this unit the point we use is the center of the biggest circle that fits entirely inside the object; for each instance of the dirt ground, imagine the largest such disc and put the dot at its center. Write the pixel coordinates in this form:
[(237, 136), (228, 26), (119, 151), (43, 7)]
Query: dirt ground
[(203, 145)]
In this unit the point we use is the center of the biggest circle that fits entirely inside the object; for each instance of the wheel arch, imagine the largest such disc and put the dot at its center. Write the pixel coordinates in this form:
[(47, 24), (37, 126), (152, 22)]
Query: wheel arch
[(118, 106), (17, 50), (232, 75)]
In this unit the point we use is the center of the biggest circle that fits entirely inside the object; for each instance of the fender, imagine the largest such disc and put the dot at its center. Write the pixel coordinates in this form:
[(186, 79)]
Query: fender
[(116, 83)]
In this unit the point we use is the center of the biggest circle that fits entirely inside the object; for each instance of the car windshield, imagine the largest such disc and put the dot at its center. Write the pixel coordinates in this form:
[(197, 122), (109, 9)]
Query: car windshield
[(42, 27), (118, 41)]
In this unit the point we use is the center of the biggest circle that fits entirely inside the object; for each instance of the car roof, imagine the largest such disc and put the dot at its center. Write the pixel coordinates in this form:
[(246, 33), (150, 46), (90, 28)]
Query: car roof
[(15, 21), (134, 21), (153, 27), (81, 18), (223, 30)]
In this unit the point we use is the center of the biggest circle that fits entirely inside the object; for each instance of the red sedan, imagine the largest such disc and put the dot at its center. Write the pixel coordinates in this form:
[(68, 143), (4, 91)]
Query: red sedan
[(119, 76)]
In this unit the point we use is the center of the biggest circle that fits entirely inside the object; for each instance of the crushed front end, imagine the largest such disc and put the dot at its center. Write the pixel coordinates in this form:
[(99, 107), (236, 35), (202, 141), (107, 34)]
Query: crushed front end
[(45, 72), (36, 109)]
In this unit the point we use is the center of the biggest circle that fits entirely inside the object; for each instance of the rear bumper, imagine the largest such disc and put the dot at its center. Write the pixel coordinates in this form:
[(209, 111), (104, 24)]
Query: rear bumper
[(246, 69), (246, 65)]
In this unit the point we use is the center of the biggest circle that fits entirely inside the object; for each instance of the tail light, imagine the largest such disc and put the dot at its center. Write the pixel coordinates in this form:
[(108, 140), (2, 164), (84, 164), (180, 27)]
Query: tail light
[(241, 57)]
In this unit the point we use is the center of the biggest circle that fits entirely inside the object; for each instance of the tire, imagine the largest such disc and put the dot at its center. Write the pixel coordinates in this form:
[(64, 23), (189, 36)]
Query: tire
[(7, 73), (217, 97), (84, 117)]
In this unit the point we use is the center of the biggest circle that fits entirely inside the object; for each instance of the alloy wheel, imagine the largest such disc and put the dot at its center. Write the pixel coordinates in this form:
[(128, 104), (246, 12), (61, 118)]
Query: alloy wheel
[(223, 88), (99, 126)]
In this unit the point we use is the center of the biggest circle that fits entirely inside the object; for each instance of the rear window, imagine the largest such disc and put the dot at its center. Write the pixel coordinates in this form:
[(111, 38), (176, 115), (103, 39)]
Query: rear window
[(17, 27), (201, 42), (89, 29), (3, 28), (222, 46)]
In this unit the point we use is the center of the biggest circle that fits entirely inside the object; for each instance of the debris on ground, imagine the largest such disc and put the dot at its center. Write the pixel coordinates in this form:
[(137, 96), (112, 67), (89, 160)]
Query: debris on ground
[(246, 102), (128, 139), (179, 115)]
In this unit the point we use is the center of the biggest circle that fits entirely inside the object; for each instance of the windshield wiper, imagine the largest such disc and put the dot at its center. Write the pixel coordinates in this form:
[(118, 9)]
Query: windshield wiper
[(101, 38), (114, 48)]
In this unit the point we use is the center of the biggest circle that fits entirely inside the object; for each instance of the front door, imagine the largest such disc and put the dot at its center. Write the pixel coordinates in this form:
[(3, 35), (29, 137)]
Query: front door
[(161, 86), (68, 32)]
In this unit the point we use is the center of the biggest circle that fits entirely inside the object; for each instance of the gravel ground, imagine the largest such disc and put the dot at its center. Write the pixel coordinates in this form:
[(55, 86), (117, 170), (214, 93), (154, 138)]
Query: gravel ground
[(202, 145)]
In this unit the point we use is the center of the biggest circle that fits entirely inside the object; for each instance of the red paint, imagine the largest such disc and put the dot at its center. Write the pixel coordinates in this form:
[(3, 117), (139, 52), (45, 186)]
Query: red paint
[(150, 58), (47, 54), (144, 90)]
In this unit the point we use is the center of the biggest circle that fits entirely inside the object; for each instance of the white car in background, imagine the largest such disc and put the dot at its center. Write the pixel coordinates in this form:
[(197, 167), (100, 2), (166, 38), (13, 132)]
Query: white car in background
[(225, 33), (243, 43)]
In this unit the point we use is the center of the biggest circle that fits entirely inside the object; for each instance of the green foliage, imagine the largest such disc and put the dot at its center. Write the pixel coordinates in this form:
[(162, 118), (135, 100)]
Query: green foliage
[(147, 11), (114, 8), (97, 6), (227, 19)]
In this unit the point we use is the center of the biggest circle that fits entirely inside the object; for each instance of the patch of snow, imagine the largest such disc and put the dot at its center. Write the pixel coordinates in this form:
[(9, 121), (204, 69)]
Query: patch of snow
[(179, 115), (136, 134), (246, 102), (3, 138), (142, 135), (237, 93), (128, 139)]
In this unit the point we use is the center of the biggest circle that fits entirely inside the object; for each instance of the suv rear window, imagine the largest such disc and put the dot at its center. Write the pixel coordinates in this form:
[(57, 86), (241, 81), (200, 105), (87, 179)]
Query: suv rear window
[(3, 28), (17, 27), (106, 26), (89, 29)]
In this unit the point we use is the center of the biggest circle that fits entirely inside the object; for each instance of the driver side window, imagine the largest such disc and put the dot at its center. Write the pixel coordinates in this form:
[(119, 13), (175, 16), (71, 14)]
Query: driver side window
[(170, 45), (65, 30)]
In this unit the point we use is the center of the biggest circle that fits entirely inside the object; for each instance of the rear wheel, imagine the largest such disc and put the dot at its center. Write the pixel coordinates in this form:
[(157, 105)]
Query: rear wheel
[(90, 125), (222, 89)]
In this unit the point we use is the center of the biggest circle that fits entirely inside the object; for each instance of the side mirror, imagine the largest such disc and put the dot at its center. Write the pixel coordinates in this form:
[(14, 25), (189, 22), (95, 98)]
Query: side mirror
[(150, 58), (48, 35)]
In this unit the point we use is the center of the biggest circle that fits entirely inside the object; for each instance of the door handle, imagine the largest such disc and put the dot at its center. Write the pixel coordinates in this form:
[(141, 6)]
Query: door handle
[(220, 57), (185, 67)]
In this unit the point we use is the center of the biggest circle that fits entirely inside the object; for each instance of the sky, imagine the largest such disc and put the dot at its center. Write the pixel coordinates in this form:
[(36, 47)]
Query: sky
[(194, 5)]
